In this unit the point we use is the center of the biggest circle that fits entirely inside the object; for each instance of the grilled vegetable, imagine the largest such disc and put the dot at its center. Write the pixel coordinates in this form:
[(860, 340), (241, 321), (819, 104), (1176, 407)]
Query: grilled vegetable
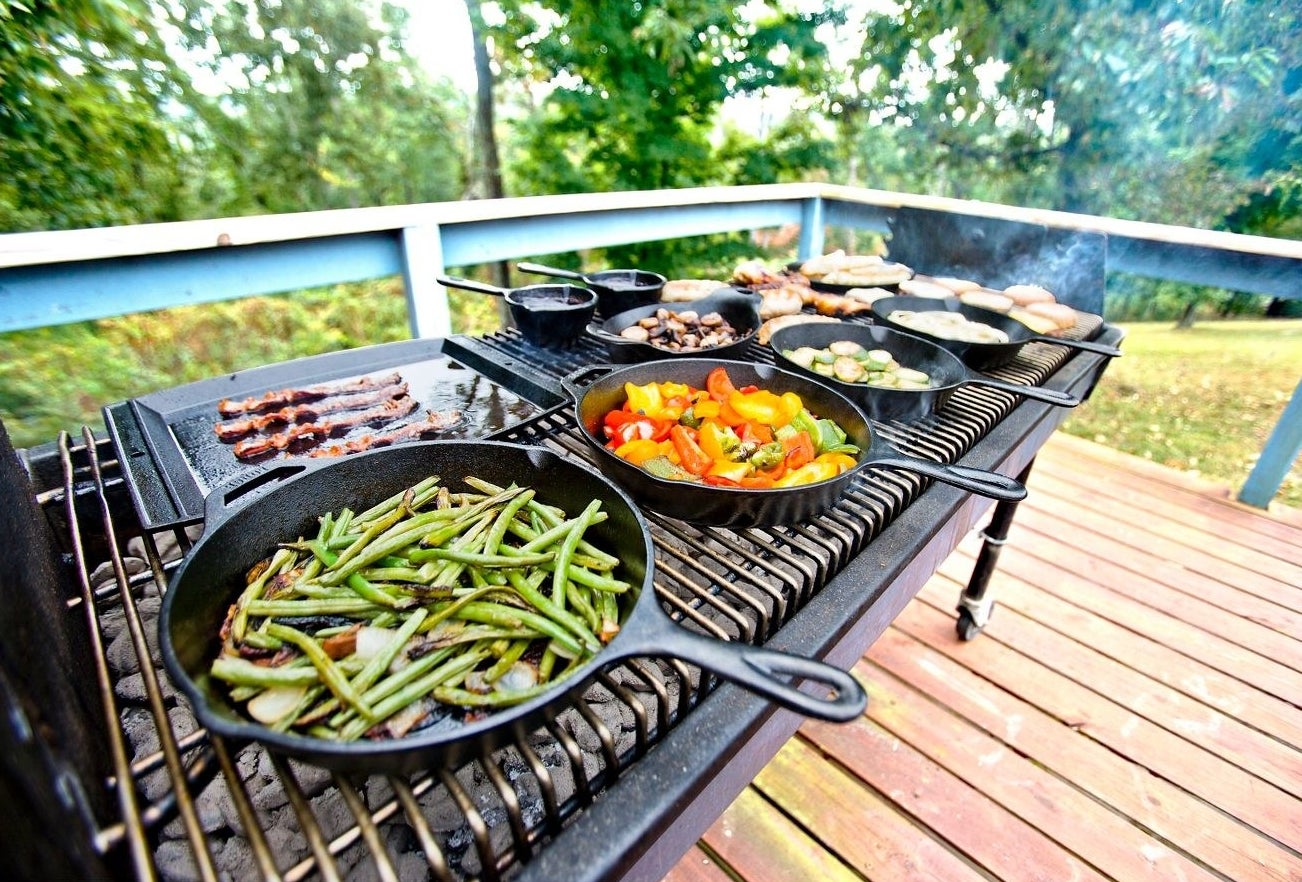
[(849, 362), (431, 602), (720, 435)]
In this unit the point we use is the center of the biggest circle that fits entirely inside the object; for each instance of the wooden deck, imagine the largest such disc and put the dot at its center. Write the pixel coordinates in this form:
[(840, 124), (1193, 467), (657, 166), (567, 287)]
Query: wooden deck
[(1133, 711)]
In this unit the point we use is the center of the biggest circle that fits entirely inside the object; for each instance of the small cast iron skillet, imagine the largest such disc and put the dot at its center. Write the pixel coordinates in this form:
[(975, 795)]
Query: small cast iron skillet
[(948, 374), (244, 523), (740, 308), (617, 289), (547, 315), (736, 507), (980, 356)]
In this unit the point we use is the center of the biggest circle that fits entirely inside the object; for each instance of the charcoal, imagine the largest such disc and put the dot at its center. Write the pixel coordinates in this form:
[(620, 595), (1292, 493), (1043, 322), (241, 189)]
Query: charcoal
[(176, 862)]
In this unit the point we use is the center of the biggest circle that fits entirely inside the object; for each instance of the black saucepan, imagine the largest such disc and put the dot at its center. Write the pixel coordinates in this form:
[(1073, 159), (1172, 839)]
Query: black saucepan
[(981, 356), (240, 530), (740, 308), (617, 289), (736, 507), (947, 371), (547, 315)]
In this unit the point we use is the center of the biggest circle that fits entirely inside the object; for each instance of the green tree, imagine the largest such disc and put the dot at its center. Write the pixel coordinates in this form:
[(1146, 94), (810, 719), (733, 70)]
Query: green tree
[(84, 140), (316, 104), (627, 96)]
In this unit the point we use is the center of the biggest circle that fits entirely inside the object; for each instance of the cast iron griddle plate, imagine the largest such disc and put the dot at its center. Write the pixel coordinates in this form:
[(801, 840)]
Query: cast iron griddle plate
[(172, 457)]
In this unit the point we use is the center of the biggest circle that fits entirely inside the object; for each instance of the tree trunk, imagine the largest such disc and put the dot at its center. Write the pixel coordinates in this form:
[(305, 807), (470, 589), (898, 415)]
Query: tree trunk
[(1187, 317), (485, 133)]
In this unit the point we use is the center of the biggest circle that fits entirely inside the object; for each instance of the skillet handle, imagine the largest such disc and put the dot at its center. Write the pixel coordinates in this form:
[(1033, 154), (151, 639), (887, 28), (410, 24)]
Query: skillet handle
[(979, 481), (237, 493), (574, 382), (539, 270), (1082, 345), (1036, 393), (470, 285), (763, 671)]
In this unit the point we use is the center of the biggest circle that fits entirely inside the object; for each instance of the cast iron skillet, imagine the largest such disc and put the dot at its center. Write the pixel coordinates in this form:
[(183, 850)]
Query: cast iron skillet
[(981, 356), (547, 315), (244, 523), (617, 290), (736, 507), (947, 372), (740, 308)]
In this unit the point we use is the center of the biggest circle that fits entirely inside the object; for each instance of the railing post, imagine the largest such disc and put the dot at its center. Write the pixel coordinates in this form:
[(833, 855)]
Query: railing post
[(427, 301), (811, 228), (1282, 448)]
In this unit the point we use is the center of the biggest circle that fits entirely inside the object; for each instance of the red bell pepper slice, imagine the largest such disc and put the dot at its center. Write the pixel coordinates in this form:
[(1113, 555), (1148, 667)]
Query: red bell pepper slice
[(800, 450), (690, 454), (719, 384)]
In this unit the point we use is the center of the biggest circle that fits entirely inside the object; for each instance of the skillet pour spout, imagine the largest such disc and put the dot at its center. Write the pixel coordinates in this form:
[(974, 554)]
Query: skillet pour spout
[(248, 521)]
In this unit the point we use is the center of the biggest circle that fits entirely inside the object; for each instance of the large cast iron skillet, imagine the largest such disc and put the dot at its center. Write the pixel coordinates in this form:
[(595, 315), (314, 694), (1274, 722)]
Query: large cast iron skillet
[(736, 507), (980, 356), (240, 530), (740, 308), (948, 373)]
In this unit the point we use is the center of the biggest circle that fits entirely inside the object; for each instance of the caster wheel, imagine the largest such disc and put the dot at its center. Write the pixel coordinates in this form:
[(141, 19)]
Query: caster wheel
[(966, 626)]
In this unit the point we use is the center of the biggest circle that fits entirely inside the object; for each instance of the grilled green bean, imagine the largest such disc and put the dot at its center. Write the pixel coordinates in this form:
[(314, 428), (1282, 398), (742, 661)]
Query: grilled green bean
[(457, 580)]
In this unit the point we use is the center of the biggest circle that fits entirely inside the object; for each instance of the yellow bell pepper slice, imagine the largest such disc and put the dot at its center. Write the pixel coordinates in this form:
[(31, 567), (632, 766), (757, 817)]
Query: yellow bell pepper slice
[(810, 473), (763, 406), (733, 471), (843, 461), (717, 440), (639, 450), (644, 399)]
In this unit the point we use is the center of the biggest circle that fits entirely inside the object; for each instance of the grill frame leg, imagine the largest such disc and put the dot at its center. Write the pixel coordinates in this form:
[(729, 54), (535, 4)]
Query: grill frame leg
[(974, 607)]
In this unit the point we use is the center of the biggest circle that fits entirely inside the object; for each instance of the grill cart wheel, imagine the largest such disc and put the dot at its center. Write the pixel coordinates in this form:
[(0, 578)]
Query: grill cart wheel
[(967, 626)]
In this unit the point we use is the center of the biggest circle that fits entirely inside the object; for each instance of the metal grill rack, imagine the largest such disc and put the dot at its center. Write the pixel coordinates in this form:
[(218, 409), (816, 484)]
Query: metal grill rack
[(188, 805)]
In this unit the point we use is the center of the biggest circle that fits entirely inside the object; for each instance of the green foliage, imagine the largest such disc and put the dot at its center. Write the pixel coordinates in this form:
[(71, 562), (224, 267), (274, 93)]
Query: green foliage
[(57, 378), (83, 138), (318, 107)]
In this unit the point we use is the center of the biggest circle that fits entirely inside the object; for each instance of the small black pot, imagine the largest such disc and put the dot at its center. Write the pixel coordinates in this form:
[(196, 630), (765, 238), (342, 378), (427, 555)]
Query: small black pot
[(245, 522), (737, 507), (740, 308), (547, 315), (617, 289), (981, 356), (948, 373)]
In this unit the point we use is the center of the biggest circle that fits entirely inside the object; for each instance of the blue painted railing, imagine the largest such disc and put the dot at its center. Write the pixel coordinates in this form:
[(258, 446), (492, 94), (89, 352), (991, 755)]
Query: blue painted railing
[(59, 277)]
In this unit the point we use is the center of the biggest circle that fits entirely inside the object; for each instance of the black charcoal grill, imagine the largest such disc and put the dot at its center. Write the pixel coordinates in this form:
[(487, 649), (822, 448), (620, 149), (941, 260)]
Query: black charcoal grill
[(619, 786)]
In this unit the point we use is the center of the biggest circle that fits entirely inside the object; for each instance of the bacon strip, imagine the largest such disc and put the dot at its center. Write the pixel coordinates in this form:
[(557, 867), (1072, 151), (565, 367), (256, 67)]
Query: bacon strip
[(434, 421), (251, 447), (281, 397), (233, 430)]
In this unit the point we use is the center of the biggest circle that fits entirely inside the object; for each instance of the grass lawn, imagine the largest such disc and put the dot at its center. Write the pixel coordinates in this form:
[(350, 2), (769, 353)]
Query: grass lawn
[(1202, 400)]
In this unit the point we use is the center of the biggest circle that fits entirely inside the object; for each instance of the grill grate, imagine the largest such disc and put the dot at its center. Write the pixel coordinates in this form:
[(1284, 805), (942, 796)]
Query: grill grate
[(198, 807)]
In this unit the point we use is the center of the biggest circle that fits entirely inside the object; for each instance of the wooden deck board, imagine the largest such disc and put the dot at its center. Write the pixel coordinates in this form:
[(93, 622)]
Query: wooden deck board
[(1132, 711)]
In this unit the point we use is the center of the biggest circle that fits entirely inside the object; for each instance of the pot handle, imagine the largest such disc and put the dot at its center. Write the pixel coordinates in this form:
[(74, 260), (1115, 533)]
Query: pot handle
[(470, 285), (539, 270), (764, 671), (1083, 345), (979, 481), (1036, 393), (573, 382)]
